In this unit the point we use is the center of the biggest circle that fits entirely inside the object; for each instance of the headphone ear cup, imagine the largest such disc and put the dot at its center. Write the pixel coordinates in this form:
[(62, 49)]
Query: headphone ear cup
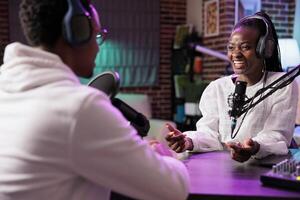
[(265, 48), (260, 47), (77, 27), (269, 48)]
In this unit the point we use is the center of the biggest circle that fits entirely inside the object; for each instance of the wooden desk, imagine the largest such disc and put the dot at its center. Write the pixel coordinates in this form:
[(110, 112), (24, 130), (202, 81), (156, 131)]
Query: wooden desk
[(215, 175)]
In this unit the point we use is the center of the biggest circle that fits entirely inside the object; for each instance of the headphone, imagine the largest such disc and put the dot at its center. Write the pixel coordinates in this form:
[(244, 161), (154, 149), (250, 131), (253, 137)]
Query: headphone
[(77, 22), (266, 44)]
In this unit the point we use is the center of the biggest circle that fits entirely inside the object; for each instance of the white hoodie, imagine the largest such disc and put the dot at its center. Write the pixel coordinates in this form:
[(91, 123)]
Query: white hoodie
[(61, 140)]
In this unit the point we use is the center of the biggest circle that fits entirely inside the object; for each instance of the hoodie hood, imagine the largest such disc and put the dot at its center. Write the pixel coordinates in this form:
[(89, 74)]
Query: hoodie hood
[(27, 68)]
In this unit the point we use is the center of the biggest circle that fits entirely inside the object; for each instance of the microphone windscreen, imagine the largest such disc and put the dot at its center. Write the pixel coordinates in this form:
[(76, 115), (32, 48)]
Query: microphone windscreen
[(107, 82), (238, 98), (240, 87)]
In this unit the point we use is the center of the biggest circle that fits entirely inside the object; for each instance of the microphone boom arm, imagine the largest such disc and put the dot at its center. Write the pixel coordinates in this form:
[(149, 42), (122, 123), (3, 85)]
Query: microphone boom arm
[(279, 83)]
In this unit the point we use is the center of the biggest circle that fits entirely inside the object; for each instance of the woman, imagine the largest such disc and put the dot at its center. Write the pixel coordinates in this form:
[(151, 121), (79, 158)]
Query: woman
[(265, 129)]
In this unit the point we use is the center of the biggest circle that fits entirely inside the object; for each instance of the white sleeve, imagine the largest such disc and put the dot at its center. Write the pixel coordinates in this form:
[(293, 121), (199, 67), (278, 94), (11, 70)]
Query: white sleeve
[(106, 150), (279, 127), (207, 137)]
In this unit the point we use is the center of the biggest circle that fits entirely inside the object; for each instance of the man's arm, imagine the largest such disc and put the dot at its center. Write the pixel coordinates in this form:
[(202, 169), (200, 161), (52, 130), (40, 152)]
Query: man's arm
[(106, 150)]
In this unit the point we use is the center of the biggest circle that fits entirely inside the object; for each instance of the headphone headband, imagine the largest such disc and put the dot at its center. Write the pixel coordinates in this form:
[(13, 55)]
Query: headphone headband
[(265, 44), (257, 17)]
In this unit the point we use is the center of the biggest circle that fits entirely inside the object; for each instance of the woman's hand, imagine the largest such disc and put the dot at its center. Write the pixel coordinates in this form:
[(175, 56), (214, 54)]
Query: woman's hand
[(177, 140), (241, 152)]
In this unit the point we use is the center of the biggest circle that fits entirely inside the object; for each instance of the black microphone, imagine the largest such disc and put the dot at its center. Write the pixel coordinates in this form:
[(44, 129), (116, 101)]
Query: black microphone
[(109, 83), (136, 119), (236, 102)]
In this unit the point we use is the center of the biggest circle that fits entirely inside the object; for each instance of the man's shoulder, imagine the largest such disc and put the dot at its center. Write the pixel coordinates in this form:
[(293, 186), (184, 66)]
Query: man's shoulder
[(74, 96), (84, 91)]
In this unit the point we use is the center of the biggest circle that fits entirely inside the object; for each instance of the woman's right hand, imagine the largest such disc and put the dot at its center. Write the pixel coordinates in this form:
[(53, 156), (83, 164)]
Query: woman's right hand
[(178, 141)]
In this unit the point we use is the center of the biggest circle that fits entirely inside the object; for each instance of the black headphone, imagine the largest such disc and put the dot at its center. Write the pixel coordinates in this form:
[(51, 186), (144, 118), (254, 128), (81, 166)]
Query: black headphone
[(266, 44), (77, 25)]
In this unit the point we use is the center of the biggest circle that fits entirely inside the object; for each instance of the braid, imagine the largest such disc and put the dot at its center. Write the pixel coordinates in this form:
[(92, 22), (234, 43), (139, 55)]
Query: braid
[(274, 62)]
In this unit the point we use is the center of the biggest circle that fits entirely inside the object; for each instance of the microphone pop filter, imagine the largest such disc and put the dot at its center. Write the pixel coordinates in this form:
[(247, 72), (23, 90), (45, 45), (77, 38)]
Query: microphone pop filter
[(108, 82)]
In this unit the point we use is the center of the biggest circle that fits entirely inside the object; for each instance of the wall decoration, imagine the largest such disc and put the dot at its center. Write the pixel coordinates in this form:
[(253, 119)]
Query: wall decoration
[(211, 18), (182, 32)]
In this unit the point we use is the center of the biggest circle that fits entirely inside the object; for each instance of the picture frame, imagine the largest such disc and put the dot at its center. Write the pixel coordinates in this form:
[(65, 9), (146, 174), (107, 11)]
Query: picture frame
[(211, 18), (182, 31)]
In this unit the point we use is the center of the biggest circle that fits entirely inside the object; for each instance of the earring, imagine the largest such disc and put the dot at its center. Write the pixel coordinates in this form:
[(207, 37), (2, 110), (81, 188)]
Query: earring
[(264, 69)]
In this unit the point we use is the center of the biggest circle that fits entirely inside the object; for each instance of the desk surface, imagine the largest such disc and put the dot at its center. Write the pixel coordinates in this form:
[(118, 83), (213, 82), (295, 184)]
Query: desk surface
[(215, 175)]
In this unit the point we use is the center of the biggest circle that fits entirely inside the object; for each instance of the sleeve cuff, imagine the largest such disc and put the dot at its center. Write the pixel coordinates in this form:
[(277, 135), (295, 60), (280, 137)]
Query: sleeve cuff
[(203, 142), (278, 148)]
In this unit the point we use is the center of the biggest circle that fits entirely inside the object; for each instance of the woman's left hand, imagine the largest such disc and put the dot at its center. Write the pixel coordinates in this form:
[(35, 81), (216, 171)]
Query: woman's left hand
[(241, 152)]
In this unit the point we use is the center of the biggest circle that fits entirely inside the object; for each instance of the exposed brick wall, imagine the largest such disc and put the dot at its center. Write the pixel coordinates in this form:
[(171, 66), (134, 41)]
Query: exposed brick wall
[(172, 13), (282, 14), (4, 33)]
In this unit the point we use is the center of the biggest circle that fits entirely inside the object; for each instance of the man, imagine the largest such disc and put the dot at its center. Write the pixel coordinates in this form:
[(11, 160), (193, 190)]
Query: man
[(61, 140)]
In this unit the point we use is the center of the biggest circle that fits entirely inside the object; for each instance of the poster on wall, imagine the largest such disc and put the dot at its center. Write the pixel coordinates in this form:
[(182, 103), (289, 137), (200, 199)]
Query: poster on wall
[(211, 18), (182, 32)]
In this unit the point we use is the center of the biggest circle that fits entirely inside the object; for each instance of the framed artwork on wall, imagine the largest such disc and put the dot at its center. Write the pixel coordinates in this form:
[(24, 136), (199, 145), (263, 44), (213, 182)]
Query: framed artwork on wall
[(182, 31), (211, 18)]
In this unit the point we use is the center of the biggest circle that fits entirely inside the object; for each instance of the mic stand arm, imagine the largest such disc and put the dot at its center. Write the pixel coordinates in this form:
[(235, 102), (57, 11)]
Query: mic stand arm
[(279, 83)]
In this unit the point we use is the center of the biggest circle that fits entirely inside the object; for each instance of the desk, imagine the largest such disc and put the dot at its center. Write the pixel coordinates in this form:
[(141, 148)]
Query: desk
[(215, 175)]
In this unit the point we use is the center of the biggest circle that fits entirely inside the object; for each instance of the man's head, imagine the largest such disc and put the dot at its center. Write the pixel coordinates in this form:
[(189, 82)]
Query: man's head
[(45, 25), (43, 22)]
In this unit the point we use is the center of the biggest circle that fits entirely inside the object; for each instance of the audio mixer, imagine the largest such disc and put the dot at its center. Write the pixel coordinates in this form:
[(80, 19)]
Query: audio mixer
[(285, 174)]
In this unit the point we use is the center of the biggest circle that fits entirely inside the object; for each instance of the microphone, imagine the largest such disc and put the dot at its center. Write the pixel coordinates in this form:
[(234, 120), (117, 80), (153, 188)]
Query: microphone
[(236, 102), (240, 106), (136, 119), (109, 83)]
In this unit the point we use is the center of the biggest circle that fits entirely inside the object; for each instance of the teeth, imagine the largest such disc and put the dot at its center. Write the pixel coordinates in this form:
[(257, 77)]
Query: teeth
[(238, 62)]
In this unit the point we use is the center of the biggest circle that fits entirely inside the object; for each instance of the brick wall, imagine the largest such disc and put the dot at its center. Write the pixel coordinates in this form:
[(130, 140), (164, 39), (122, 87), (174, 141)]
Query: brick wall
[(282, 14), (4, 34), (172, 13)]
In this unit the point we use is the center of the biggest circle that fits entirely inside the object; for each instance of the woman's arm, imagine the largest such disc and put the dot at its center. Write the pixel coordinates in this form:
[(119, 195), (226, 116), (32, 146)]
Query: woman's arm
[(278, 130)]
